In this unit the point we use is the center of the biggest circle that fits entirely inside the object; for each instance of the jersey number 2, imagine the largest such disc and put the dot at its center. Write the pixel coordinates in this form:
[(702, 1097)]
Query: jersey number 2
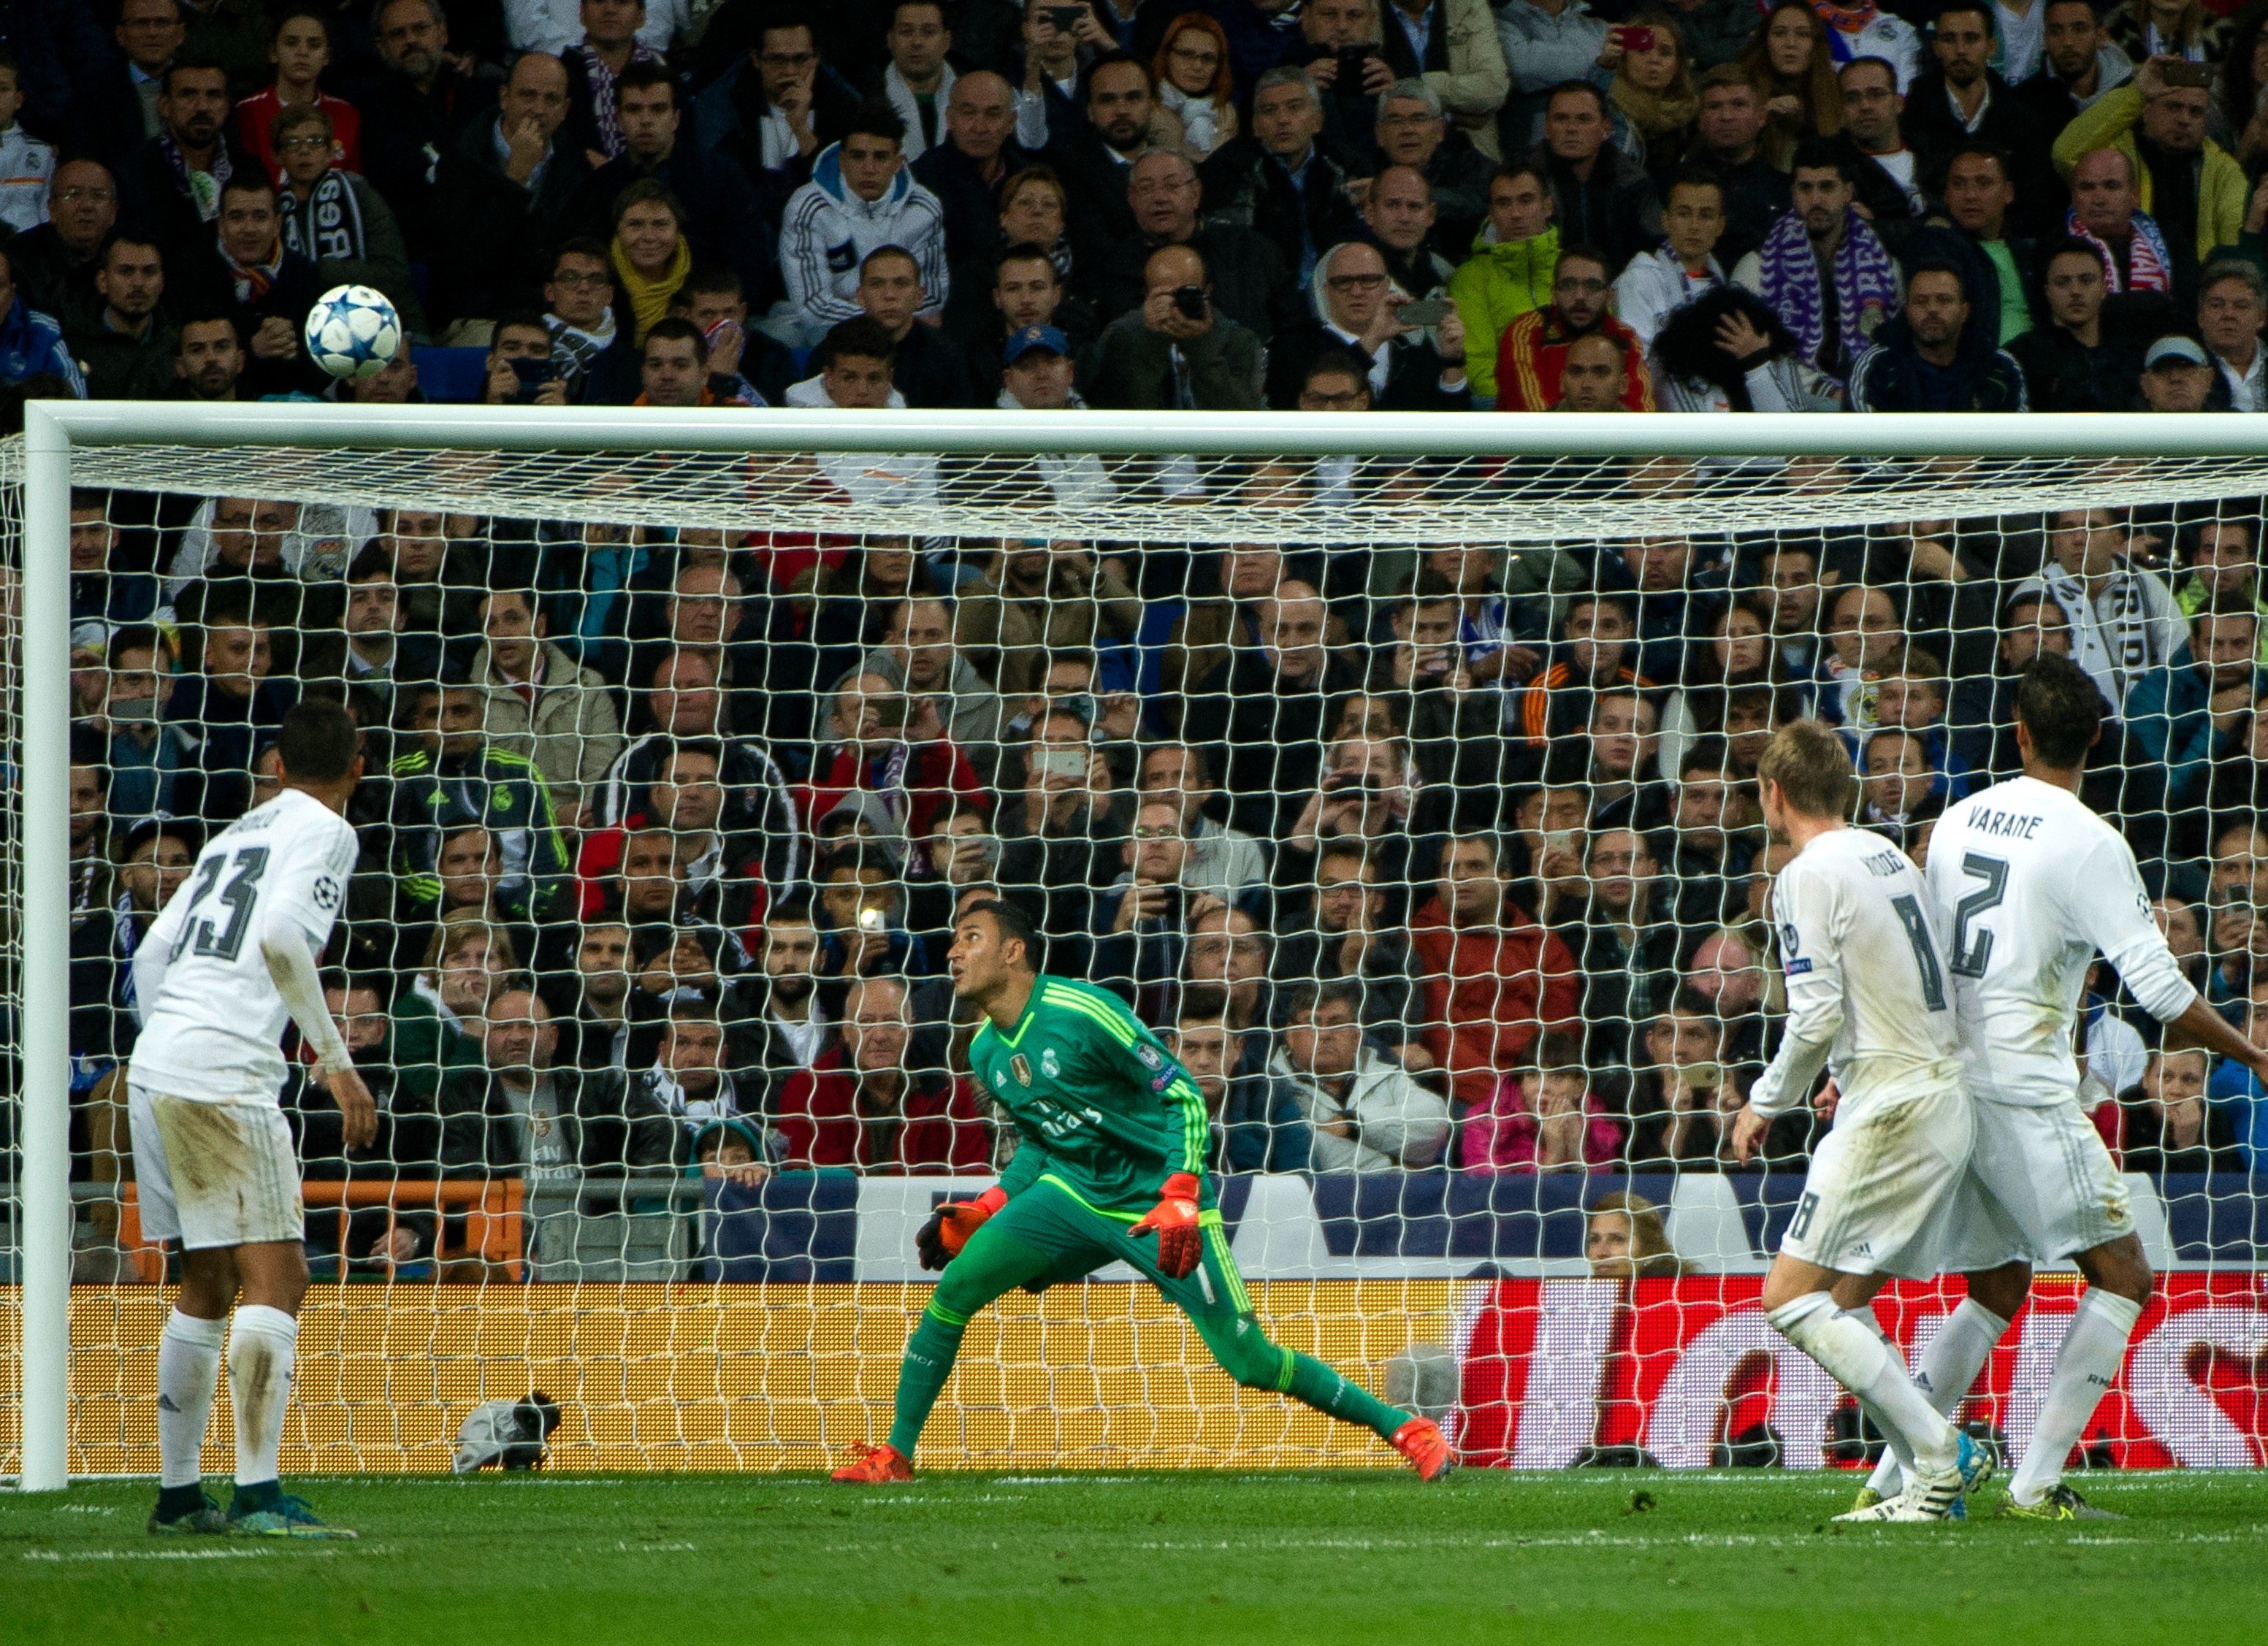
[(240, 893), (1932, 981), (1970, 959)]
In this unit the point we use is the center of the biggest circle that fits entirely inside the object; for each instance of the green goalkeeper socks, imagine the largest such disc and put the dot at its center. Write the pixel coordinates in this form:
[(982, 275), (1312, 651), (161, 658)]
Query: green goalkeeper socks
[(930, 1352), (1318, 1385)]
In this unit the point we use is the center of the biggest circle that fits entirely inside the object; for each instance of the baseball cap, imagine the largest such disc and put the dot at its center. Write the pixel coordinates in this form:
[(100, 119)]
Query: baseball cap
[(2174, 348), (1033, 337)]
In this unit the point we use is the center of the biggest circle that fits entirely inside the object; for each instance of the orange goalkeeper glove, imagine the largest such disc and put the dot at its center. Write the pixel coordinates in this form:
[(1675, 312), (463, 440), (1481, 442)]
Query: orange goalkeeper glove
[(1174, 1220), (951, 1224)]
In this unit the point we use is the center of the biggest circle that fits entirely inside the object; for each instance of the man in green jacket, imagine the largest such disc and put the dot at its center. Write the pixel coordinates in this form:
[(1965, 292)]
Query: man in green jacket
[(1510, 270)]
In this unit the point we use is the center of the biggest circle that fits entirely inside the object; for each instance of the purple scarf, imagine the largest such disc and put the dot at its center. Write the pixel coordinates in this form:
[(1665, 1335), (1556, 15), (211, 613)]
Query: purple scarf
[(602, 95), (1865, 280), (208, 204)]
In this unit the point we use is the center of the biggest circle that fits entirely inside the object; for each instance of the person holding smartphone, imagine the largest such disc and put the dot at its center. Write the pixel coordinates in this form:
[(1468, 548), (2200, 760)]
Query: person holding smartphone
[(1359, 307), (520, 369)]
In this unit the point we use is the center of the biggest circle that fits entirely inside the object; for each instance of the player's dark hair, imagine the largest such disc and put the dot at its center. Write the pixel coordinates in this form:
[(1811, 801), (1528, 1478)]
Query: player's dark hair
[(1014, 925), (1810, 762), (2060, 704), (317, 741)]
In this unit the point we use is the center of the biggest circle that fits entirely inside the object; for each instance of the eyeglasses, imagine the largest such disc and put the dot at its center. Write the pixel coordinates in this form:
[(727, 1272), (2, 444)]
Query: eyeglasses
[(73, 196), (1355, 282), (310, 141), (1141, 833)]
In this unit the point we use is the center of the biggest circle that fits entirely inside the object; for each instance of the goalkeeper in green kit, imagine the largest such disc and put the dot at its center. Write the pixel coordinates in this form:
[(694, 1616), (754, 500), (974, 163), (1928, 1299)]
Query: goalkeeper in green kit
[(1110, 1166)]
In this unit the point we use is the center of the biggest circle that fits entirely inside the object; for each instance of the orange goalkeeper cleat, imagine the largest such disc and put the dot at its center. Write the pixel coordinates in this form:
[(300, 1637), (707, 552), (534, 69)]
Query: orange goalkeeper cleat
[(878, 1466), (1421, 1441)]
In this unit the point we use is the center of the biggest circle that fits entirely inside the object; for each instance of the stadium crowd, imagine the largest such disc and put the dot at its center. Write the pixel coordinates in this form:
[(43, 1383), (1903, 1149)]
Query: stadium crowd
[(1427, 858)]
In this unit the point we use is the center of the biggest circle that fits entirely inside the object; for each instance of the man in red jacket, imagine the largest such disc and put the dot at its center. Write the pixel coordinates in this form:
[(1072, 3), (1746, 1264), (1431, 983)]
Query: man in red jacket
[(1533, 351), (878, 1113), (1493, 977)]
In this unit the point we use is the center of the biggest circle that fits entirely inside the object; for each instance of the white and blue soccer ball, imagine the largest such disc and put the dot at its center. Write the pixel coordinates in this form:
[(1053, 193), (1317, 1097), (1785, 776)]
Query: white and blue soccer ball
[(353, 332)]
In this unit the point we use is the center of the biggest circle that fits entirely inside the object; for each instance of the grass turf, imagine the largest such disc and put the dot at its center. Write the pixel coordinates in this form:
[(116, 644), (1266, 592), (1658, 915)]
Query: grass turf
[(1161, 1560)]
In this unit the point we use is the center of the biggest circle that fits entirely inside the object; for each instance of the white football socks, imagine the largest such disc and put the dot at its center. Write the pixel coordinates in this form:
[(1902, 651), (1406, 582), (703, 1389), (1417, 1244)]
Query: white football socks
[(188, 1366), (1860, 1360), (2085, 1366), (1948, 1368), (259, 1353)]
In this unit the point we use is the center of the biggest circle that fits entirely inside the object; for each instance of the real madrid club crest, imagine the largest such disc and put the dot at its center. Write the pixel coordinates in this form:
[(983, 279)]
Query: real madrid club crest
[(1048, 1064), (1020, 1068)]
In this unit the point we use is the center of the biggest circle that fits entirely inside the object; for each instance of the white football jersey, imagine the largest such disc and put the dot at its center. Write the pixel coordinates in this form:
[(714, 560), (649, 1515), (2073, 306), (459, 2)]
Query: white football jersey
[(1867, 990), (214, 1027), (2028, 885)]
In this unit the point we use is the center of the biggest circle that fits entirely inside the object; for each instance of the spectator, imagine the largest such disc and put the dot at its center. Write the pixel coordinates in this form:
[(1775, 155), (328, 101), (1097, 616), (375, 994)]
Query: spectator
[(540, 704), (1547, 44), (521, 369), (609, 48), (1728, 135), (860, 195), (1822, 269), (2078, 64), (1256, 1122), (1533, 354), (1364, 1111), (590, 354), (1411, 131), (688, 1081), (1961, 101), (1726, 351), (128, 346), (169, 187), (554, 25), (926, 367), (650, 254), (260, 282), (438, 1017), (2124, 621), (2192, 712), (2223, 565), (1624, 1239), (1542, 1118), (2172, 1127), (593, 1035), (56, 261), (879, 747), (1684, 268), (504, 190), (1711, 833), (1515, 260), (1930, 358), (919, 81), (1356, 308), (746, 367), (110, 116), (2106, 213), (722, 219), (948, 696), (2177, 375), (777, 107), (28, 163), (1090, 156), (1267, 707), (1629, 947), (449, 776), (31, 343), (141, 751), (1139, 922), (1277, 181), (1346, 935), (676, 369), (1224, 863), (1652, 86), (415, 102), (1979, 195), (2077, 360), (965, 169), (791, 1029), (301, 51), (334, 219), (1601, 196), (1195, 84), (1399, 217), (1792, 61), (880, 1112), (2232, 306), (1684, 1102), (1494, 980), (1254, 288), (1178, 351), (2161, 130)]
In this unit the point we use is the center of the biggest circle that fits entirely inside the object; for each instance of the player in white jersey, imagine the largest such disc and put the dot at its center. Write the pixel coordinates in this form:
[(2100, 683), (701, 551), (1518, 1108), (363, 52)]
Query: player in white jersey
[(1867, 998), (2029, 886), (231, 957)]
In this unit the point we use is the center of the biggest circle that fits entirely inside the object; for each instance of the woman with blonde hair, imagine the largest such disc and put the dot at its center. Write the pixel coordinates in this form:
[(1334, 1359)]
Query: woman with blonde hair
[(1793, 67), (1624, 1239), (1653, 87), (1035, 210), (1191, 68)]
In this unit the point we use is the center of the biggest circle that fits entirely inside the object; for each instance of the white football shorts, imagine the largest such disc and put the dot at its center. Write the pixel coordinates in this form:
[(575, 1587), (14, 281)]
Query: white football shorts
[(2040, 1185), (214, 1174), (1880, 1183)]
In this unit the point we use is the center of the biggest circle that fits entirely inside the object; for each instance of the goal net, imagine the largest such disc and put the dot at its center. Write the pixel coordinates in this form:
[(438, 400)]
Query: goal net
[(1398, 771)]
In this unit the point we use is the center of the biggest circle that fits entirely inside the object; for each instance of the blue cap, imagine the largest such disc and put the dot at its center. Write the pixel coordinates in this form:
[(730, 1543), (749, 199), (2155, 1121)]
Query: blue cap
[(1033, 337)]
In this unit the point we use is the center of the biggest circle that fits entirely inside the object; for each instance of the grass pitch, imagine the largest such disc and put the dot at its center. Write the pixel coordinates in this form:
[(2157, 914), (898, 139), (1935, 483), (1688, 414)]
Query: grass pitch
[(1599, 1557)]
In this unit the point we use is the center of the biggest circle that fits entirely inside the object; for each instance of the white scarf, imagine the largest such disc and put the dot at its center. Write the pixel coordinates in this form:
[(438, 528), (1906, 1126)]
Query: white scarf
[(1200, 117)]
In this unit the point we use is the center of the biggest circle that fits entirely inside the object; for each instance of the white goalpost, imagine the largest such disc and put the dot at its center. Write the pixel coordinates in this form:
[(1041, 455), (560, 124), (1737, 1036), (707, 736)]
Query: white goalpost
[(1516, 482)]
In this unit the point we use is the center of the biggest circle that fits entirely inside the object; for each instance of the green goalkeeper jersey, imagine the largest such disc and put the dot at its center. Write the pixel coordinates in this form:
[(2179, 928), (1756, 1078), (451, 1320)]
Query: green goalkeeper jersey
[(1102, 1107)]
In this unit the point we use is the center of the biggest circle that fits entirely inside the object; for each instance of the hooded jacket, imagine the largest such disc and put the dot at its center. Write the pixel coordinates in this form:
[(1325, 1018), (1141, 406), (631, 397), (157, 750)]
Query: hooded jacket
[(828, 231), (1500, 282), (1891, 376)]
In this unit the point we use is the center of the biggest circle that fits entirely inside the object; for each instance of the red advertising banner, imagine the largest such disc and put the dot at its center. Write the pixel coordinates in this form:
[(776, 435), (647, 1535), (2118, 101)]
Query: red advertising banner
[(1678, 1367)]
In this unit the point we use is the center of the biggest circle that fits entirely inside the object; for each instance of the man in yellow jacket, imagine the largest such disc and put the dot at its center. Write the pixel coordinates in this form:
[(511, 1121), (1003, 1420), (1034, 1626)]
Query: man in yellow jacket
[(2160, 130), (1509, 272)]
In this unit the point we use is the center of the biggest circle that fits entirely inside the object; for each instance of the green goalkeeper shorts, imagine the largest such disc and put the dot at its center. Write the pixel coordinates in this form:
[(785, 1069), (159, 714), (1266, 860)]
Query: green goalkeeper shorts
[(1049, 1234)]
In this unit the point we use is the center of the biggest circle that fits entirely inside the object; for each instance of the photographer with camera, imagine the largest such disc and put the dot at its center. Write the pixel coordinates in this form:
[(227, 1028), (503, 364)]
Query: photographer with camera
[(1177, 352), (1141, 921), (520, 369)]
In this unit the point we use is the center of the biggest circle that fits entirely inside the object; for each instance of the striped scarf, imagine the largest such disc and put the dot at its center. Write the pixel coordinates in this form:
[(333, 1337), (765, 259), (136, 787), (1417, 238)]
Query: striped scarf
[(607, 116), (2149, 266), (1866, 285), (255, 280), (328, 225)]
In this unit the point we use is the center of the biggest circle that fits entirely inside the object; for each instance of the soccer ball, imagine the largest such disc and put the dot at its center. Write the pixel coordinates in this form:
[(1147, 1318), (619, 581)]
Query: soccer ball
[(353, 332)]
